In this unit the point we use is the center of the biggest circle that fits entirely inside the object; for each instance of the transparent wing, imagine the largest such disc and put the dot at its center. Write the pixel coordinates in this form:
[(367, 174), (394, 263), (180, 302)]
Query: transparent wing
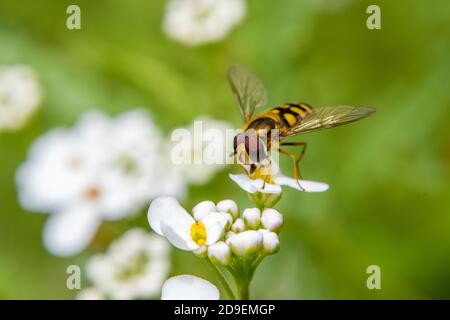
[(329, 117), (248, 90)]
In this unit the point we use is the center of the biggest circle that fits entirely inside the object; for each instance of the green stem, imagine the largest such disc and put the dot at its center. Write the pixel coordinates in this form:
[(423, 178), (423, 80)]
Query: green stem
[(222, 280), (244, 290), (241, 273), (255, 265)]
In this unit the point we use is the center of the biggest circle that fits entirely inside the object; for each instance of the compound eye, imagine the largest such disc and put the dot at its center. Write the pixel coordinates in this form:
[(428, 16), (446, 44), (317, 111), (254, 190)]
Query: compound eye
[(255, 148)]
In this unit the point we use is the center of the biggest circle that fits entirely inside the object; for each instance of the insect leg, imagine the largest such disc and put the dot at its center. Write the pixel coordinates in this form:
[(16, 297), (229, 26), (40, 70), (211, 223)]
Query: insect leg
[(295, 159)]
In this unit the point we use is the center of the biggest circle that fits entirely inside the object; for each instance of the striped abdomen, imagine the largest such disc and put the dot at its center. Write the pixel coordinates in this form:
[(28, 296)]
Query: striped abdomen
[(282, 117)]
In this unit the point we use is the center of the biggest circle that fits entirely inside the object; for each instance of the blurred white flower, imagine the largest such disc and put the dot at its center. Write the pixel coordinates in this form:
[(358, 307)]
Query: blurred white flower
[(134, 266), (102, 169), (206, 151), (195, 22), (187, 287), (90, 294), (20, 96), (167, 218)]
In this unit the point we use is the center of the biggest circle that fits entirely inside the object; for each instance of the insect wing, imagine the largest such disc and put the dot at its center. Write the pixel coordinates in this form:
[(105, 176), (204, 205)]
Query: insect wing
[(248, 90), (329, 117)]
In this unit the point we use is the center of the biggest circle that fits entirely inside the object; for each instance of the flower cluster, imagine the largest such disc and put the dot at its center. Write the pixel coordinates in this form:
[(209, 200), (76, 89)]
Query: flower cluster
[(101, 169), (20, 96), (135, 266), (234, 243), (219, 232), (196, 22)]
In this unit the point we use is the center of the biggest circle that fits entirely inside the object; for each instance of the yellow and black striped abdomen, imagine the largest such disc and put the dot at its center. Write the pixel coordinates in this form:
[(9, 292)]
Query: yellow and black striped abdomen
[(288, 115), (282, 117)]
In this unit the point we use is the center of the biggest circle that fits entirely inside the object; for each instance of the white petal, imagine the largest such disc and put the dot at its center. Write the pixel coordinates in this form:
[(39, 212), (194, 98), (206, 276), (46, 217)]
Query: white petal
[(215, 226), (252, 186), (178, 232), (67, 233), (308, 186), (186, 287), (163, 208), (202, 209), (247, 184), (270, 188)]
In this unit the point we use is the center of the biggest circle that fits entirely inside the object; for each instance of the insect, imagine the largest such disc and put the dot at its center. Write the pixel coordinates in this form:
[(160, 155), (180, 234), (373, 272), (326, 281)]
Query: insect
[(267, 131)]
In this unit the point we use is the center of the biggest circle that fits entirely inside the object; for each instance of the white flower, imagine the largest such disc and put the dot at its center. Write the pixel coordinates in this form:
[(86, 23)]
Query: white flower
[(90, 294), (270, 242), (186, 287), (195, 22), (272, 220), (220, 253), (252, 217), (199, 151), (167, 218), (246, 244), (278, 179), (101, 169), (20, 96), (134, 266)]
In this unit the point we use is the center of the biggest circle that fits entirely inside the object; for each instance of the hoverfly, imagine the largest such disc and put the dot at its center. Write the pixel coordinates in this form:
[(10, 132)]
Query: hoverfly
[(268, 130)]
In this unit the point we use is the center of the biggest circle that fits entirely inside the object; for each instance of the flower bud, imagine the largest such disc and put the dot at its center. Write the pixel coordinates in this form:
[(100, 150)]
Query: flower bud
[(202, 209), (200, 252), (238, 226), (228, 236), (220, 253), (246, 244), (271, 220), (229, 219), (252, 217), (270, 242), (229, 206)]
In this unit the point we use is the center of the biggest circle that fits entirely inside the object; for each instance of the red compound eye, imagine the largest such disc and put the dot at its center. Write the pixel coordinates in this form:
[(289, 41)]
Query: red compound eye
[(255, 148)]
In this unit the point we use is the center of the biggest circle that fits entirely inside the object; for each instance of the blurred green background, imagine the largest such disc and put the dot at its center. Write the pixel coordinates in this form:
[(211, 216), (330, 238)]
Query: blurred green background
[(389, 202)]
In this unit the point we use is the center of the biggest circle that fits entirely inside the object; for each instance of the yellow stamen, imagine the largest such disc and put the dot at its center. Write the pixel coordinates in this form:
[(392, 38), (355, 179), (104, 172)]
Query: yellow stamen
[(198, 233), (92, 193), (264, 173)]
